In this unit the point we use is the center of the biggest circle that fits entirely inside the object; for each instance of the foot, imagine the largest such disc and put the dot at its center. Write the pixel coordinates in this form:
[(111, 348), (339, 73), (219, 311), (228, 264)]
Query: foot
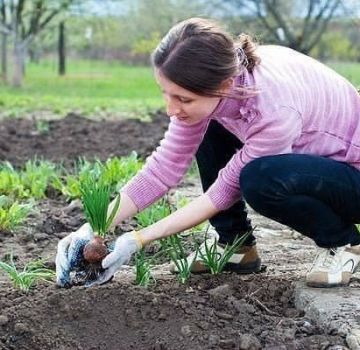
[(334, 267), (245, 260)]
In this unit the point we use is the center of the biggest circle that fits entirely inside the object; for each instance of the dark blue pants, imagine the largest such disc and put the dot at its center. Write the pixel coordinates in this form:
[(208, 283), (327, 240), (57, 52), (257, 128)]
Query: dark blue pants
[(216, 149), (318, 197)]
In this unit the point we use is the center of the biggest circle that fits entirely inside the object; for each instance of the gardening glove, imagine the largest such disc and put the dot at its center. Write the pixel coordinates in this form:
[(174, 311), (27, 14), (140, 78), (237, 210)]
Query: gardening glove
[(69, 253), (125, 246)]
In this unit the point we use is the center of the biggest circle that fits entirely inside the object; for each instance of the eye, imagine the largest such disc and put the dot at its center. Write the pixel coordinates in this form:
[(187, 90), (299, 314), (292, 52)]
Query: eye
[(185, 100)]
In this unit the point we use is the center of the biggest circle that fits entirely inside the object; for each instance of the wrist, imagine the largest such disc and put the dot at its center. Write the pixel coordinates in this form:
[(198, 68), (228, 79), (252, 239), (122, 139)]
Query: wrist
[(139, 239)]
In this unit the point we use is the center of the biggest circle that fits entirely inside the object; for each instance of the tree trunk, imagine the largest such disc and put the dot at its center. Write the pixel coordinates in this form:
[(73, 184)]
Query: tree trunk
[(62, 49), (4, 66), (19, 62)]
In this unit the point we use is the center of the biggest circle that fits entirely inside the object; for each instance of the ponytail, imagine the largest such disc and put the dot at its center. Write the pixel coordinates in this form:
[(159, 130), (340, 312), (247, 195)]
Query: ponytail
[(246, 43)]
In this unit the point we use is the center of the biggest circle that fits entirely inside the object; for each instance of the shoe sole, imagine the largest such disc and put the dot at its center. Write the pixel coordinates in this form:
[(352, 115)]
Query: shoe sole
[(324, 285), (244, 269)]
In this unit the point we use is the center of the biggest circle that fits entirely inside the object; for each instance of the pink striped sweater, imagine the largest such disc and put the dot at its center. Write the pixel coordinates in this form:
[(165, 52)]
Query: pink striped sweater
[(302, 107)]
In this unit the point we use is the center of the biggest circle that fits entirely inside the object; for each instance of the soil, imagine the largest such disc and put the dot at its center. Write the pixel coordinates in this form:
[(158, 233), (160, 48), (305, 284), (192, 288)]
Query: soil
[(68, 139), (228, 311)]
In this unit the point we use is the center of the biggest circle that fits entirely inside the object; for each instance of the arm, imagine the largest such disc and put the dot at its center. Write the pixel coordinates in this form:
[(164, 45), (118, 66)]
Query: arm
[(184, 218), (127, 209)]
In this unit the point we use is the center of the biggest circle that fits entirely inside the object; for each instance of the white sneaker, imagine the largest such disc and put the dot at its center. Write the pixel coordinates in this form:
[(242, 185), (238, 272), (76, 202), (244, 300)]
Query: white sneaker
[(334, 267)]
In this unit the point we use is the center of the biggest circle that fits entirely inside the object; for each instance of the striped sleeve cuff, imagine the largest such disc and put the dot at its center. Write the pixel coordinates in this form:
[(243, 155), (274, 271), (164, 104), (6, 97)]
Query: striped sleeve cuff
[(222, 195)]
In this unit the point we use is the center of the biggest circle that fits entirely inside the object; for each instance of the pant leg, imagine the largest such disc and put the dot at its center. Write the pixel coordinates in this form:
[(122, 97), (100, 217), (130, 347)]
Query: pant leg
[(216, 149), (318, 197)]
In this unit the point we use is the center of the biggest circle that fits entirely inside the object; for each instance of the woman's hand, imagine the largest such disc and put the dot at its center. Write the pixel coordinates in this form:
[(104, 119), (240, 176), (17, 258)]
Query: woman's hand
[(125, 246), (69, 253)]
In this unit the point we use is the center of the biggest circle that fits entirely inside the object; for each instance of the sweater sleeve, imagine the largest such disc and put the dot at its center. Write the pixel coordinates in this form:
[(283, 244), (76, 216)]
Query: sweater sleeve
[(166, 166), (268, 134)]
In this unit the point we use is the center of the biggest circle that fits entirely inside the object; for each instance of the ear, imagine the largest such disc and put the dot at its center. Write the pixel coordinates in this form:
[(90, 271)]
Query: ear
[(226, 85)]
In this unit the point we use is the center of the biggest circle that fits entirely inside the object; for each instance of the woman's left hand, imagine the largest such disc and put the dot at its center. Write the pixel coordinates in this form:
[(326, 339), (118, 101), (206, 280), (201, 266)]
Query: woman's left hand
[(125, 246)]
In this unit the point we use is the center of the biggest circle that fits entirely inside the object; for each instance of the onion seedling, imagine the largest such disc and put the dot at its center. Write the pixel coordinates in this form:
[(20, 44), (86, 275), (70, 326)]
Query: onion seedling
[(95, 197), (143, 266), (215, 260), (176, 252), (33, 272)]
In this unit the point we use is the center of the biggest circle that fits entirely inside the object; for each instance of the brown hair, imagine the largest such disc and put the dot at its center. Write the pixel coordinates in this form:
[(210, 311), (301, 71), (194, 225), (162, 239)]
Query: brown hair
[(198, 55)]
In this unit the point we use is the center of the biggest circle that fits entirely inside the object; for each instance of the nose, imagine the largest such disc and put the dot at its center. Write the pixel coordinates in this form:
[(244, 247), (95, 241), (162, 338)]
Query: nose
[(172, 108)]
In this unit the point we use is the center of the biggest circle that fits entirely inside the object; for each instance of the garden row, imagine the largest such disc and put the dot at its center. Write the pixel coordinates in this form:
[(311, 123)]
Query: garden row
[(37, 180)]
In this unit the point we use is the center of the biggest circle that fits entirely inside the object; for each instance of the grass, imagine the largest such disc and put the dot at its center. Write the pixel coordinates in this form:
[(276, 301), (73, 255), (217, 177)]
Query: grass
[(90, 87), (97, 88), (349, 70)]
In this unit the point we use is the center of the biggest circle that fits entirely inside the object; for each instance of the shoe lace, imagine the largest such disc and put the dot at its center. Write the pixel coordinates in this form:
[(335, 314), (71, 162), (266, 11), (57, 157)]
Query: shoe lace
[(327, 258)]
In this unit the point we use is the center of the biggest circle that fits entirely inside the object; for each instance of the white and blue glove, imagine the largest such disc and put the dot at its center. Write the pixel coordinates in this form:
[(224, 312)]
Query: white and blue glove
[(70, 254), (125, 246)]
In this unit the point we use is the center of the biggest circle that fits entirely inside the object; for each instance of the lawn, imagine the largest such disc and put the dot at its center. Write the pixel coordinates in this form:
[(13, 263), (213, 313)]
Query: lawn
[(92, 87), (98, 88), (349, 70)]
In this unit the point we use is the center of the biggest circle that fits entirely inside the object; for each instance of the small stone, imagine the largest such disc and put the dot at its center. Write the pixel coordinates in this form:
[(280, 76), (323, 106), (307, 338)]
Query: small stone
[(3, 320), (224, 315), (221, 291), (186, 330), (214, 340), (61, 234), (31, 246), (40, 237), (227, 344), (21, 328), (203, 325), (162, 317), (249, 342)]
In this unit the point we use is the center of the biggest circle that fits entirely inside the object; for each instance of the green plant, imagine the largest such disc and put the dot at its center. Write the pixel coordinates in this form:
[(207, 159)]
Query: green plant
[(96, 196), (32, 273), (30, 182), (10, 181), (174, 248), (143, 269), (143, 266), (37, 176), (115, 172), (42, 126), (118, 171), (70, 182), (12, 214), (216, 261), (154, 213)]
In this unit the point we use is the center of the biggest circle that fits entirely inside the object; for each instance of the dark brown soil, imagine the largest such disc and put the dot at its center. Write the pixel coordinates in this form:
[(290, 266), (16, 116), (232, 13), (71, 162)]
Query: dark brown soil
[(223, 312), (74, 136)]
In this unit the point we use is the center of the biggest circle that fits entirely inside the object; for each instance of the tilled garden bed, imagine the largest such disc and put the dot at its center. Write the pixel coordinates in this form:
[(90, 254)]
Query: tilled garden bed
[(209, 312)]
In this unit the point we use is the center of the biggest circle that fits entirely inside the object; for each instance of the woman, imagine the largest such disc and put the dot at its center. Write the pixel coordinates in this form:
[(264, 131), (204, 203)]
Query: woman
[(268, 125)]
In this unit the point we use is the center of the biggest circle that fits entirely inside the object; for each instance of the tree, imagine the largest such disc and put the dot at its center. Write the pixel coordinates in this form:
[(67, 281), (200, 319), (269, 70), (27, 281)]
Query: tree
[(21, 21), (61, 49), (298, 24)]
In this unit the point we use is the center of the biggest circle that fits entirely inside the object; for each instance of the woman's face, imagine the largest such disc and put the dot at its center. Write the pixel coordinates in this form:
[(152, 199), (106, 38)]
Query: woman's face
[(184, 104)]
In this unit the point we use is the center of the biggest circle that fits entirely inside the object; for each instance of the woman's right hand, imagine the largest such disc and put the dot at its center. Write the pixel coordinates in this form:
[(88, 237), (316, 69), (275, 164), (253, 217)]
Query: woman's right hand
[(69, 253)]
